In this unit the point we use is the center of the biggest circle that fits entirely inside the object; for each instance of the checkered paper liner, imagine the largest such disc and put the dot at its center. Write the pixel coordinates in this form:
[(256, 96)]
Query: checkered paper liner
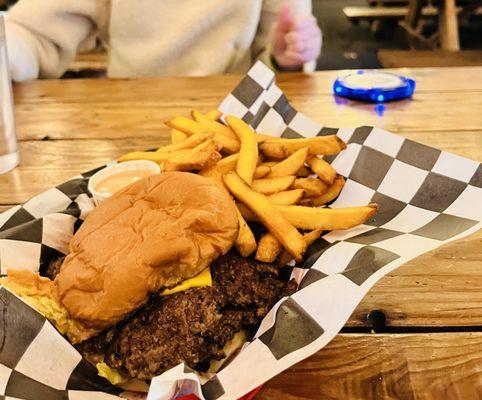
[(427, 197)]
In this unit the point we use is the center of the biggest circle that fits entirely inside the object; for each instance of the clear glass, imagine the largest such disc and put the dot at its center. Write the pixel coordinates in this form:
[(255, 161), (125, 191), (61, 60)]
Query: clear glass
[(9, 157)]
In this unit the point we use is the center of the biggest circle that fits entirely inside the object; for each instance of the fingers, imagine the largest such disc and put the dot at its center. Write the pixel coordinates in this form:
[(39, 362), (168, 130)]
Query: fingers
[(284, 22), (295, 40)]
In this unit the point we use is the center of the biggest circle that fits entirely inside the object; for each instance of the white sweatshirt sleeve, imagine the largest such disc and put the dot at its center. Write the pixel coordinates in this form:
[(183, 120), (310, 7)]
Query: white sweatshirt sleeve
[(261, 48), (44, 36)]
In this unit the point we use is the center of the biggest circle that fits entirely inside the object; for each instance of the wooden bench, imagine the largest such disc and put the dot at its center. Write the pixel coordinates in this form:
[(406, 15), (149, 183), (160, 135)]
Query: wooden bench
[(429, 58), (88, 65), (355, 14)]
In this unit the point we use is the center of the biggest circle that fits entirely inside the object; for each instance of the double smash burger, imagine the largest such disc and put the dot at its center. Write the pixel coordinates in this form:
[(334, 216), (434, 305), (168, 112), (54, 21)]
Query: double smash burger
[(151, 281)]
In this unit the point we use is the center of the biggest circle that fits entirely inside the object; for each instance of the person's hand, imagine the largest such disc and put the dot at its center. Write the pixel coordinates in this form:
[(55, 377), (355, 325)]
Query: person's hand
[(295, 41)]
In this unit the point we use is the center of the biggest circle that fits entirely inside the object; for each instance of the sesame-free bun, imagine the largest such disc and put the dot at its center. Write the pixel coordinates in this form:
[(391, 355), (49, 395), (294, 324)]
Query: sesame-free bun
[(153, 234)]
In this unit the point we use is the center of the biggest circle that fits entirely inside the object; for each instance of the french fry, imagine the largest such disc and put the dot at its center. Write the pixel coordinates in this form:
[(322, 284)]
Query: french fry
[(177, 136), (185, 125), (247, 214), (272, 185), (228, 144), (159, 158), (268, 248), (248, 153), (260, 138), (321, 168), (189, 143), (222, 167), (318, 145), (331, 194), (201, 156), (303, 172), (290, 165), (245, 242), (261, 171), (270, 163), (269, 215), (328, 219), (309, 237), (312, 186), (213, 126), (190, 127), (214, 115), (287, 197)]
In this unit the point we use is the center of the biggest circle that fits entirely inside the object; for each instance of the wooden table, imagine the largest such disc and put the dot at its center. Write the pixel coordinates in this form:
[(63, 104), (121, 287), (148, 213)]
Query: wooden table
[(431, 347)]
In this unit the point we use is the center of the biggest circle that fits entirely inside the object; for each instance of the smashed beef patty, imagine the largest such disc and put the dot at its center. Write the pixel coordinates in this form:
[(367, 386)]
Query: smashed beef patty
[(192, 326)]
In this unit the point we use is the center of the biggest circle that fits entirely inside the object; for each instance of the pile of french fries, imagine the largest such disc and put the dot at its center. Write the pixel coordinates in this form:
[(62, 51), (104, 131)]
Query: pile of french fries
[(279, 182)]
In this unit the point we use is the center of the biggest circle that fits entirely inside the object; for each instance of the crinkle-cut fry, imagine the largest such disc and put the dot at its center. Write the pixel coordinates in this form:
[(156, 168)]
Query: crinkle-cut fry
[(328, 219), (248, 153), (268, 248), (177, 136), (286, 197), (213, 126), (309, 237), (222, 167), (318, 145), (185, 125), (261, 171), (331, 194), (272, 185), (312, 186), (214, 115), (321, 168), (304, 172), (201, 156), (245, 242), (189, 143), (247, 214), (290, 165), (271, 218)]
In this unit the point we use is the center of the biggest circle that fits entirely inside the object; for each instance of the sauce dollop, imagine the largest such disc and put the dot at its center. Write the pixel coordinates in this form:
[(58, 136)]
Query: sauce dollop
[(116, 182)]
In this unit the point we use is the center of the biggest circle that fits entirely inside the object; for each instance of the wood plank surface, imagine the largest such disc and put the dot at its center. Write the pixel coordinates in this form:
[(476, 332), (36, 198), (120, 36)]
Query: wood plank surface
[(94, 121), (437, 366), (429, 58), (129, 108), (440, 281), (49, 162)]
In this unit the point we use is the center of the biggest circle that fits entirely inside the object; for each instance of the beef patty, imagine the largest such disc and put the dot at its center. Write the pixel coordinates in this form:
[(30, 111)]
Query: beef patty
[(192, 326)]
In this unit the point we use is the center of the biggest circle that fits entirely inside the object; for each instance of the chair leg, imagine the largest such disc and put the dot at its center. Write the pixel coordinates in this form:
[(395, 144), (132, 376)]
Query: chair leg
[(448, 26)]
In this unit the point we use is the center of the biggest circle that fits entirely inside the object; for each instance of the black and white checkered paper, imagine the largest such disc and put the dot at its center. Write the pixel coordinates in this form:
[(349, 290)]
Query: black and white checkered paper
[(427, 197)]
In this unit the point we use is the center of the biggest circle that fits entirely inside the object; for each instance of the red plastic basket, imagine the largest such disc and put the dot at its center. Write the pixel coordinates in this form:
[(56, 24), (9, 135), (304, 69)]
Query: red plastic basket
[(248, 396)]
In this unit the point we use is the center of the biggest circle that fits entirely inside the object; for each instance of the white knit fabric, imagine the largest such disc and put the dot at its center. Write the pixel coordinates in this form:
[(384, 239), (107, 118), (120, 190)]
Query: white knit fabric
[(144, 37)]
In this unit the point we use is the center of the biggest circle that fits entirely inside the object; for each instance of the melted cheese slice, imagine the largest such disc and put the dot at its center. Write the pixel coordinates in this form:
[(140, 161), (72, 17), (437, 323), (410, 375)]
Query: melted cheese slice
[(203, 279)]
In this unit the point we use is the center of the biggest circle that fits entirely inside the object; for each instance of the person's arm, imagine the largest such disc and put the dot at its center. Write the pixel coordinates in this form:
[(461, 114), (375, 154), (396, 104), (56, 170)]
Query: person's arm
[(288, 37), (44, 36)]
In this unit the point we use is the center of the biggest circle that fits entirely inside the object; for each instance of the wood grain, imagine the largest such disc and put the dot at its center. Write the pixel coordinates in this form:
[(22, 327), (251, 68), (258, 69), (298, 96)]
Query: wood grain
[(406, 366), (445, 284), (438, 289), (136, 107), (47, 163), (97, 120)]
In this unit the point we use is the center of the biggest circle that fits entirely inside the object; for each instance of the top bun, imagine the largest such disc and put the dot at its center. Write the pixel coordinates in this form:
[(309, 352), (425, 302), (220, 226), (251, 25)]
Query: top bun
[(153, 234)]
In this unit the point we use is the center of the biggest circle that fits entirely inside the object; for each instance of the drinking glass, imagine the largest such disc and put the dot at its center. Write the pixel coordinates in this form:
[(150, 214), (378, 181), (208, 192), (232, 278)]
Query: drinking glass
[(9, 157)]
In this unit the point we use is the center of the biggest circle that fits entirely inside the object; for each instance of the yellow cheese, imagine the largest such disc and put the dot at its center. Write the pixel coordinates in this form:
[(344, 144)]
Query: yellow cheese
[(203, 279), (112, 375)]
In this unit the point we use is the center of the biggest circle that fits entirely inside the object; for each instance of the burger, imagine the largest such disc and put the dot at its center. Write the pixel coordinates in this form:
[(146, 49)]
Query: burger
[(151, 281)]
